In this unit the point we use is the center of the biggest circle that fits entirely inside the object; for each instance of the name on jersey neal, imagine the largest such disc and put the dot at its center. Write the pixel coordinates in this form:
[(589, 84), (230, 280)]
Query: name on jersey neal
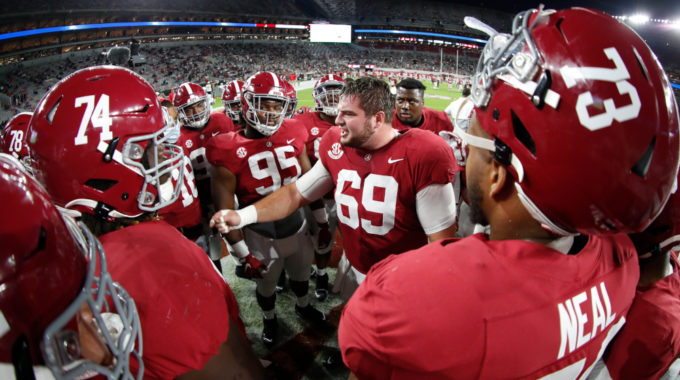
[(591, 306)]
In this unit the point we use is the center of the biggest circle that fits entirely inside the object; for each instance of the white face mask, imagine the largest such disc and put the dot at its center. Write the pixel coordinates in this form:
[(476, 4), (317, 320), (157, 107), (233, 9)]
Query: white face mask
[(167, 190), (173, 132)]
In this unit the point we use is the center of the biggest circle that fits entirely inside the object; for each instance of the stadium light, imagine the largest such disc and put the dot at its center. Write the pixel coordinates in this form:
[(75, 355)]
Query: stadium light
[(639, 18)]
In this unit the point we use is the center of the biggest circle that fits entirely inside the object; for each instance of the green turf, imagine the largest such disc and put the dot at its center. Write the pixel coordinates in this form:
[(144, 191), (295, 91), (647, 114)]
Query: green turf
[(305, 97)]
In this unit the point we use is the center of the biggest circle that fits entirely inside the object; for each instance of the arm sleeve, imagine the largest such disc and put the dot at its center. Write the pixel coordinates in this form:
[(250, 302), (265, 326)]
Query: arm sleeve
[(315, 183), (436, 207)]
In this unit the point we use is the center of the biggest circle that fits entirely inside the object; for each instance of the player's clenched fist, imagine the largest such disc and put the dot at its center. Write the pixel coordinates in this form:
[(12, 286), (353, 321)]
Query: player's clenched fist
[(224, 220)]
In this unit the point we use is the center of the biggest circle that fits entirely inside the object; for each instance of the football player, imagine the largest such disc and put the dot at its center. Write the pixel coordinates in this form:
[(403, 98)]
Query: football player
[(185, 212), (393, 190), (291, 94), (199, 125), (231, 100), (99, 148), (56, 320), (648, 346), (268, 154), (13, 138), (554, 278), (326, 96), (410, 110)]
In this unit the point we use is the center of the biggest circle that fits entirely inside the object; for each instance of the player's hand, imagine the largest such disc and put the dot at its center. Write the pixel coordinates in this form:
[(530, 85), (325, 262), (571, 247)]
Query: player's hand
[(457, 145), (251, 268), (323, 237), (224, 219)]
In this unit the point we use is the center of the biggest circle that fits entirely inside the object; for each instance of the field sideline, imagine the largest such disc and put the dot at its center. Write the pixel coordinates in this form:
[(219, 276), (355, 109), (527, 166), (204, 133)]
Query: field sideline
[(441, 99)]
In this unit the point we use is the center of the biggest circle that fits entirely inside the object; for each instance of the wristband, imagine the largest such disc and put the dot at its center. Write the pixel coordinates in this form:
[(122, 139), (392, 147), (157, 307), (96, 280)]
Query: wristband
[(248, 216), (240, 249), (320, 215)]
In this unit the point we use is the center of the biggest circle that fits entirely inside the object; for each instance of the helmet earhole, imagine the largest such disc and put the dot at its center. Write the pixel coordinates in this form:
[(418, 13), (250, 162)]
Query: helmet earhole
[(642, 166), (496, 114), (125, 196), (522, 134)]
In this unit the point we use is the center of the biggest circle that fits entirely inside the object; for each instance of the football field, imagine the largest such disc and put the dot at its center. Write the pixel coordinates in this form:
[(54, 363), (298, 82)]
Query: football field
[(437, 99)]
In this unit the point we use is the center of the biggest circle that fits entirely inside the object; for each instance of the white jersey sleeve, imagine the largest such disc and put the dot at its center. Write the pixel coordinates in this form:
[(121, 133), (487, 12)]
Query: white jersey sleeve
[(315, 183), (436, 207)]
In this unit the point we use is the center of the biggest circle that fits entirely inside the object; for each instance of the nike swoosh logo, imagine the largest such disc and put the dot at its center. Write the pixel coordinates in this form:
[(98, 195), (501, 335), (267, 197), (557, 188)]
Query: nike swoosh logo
[(289, 141), (215, 133), (391, 161)]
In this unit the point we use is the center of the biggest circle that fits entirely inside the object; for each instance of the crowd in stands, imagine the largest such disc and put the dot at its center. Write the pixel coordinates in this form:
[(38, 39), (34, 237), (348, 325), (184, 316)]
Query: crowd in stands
[(167, 67)]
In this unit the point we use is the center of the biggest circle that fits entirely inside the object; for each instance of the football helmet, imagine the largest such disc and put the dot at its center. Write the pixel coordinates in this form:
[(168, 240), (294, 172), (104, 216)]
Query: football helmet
[(292, 99), (327, 94), (588, 126), (231, 100), (52, 267), (13, 137), (98, 144), (193, 105), (264, 102)]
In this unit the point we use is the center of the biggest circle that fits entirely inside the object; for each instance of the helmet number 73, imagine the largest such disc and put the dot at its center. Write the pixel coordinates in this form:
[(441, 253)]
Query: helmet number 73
[(619, 75), (98, 115)]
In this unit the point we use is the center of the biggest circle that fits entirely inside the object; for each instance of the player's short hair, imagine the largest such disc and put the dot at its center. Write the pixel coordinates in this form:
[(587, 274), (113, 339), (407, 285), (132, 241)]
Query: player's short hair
[(373, 94), (466, 91), (411, 84)]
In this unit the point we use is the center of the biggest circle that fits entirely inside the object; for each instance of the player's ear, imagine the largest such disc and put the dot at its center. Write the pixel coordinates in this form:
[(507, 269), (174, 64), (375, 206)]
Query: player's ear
[(501, 180), (379, 117)]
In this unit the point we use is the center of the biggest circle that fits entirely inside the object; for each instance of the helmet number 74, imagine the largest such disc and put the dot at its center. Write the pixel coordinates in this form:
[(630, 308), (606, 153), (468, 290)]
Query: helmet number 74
[(619, 75), (98, 115)]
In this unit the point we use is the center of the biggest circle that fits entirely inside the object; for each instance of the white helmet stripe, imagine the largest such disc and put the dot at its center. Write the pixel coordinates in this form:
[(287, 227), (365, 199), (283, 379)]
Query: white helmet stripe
[(237, 87), (275, 79), (188, 88)]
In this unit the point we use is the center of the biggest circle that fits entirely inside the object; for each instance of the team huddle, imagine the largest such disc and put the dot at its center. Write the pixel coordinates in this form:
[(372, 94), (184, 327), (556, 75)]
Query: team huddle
[(562, 158)]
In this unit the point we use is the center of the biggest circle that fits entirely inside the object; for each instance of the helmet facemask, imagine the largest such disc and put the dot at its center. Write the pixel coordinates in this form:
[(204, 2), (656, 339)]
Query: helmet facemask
[(512, 58), (153, 158), (233, 114), (115, 321), (262, 114), (327, 97), (199, 118)]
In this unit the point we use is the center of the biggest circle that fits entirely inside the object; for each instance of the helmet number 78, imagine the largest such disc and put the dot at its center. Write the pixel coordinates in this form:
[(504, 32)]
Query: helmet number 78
[(97, 114)]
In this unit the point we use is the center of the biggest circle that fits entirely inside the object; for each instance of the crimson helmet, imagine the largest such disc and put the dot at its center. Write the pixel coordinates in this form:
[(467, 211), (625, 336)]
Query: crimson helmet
[(231, 98), (187, 96), (13, 137), (262, 87), (52, 266), (327, 93), (98, 143), (588, 126), (291, 94)]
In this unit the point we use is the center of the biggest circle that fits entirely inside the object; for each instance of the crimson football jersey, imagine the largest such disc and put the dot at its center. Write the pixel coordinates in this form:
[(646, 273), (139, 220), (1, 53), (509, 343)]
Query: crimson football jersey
[(316, 127), (263, 165), (435, 121), (375, 191), (186, 210), (650, 340), (478, 309), (184, 305), (194, 141)]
